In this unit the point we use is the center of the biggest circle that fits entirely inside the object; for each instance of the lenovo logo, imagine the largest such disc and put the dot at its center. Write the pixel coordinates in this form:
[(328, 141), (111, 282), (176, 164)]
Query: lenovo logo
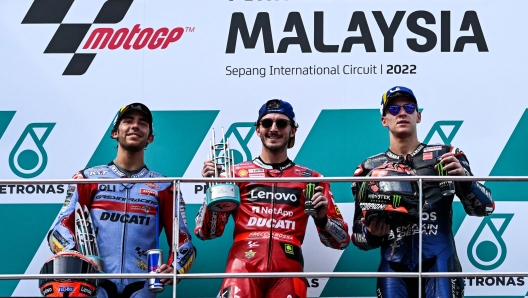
[(280, 195)]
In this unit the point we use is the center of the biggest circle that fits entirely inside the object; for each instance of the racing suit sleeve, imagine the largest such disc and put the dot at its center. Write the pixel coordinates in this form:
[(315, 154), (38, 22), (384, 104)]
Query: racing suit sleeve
[(210, 224), (186, 253), (62, 234), (332, 229), (475, 197), (361, 237)]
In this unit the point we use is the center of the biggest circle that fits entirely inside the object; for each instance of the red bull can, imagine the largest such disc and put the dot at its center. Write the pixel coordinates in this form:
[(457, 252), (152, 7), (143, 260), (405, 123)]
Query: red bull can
[(154, 261)]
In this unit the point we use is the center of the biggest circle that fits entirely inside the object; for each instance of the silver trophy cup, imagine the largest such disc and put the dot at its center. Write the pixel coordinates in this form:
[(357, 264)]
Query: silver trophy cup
[(86, 237), (222, 197)]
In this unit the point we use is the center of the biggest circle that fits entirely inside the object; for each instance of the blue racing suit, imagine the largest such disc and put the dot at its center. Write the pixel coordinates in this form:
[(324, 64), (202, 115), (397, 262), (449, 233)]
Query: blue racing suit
[(399, 250), (124, 217)]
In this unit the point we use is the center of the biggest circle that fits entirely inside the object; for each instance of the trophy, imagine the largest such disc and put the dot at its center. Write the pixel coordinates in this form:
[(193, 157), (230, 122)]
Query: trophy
[(446, 187), (85, 235), (222, 197)]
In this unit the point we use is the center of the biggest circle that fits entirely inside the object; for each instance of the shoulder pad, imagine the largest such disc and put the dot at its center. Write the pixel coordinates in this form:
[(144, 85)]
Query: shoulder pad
[(374, 161), (305, 172)]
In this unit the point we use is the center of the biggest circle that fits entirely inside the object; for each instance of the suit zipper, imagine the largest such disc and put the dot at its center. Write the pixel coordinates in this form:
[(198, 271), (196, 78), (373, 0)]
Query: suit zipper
[(124, 233), (270, 243)]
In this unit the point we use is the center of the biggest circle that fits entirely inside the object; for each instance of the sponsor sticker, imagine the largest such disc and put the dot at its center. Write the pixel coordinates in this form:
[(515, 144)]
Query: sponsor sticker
[(142, 265), (434, 148), (97, 173), (252, 244), (152, 185), (243, 173), (257, 175), (148, 192), (428, 155), (288, 248), (250, 254)]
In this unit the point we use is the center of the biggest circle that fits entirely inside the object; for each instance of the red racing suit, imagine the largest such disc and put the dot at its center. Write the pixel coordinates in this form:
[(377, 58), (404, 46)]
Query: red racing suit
[(270, 225)]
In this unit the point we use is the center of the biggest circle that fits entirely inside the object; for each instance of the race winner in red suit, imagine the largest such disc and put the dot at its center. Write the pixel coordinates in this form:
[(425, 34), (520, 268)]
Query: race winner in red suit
[(270, 222), (399, 246), (124, 215)]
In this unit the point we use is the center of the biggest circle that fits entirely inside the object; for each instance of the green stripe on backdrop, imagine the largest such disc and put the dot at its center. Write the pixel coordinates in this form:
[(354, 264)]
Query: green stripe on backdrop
[(24, 226), (512, 162), (339, 141), (5, 119), (178, 135)]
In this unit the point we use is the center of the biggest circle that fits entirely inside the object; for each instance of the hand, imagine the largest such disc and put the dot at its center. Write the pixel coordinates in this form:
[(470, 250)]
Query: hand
[(165, 269), (377, 226), (452, 165), (320, 202), (208, 169)]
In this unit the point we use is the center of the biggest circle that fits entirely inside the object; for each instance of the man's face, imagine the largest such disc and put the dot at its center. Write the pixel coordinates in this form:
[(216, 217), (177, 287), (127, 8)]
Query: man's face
[(401, 124), (275, 138), (133, 132)]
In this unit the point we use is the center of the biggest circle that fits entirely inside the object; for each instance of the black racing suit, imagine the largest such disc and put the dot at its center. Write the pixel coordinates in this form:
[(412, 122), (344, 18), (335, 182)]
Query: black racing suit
[(399, 249)]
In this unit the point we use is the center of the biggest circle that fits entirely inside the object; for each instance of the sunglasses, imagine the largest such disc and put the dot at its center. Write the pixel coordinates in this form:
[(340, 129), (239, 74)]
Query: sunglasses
[(408, 107), (281, 123)]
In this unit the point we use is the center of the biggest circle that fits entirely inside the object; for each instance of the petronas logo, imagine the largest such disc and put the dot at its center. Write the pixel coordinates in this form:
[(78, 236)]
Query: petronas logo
[(396, 200), (28, 159), (440, 127), (487, 250), (235, 130)]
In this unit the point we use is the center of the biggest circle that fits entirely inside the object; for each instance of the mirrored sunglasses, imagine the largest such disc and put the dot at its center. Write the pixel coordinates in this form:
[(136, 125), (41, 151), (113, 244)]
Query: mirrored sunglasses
[(409, 108)]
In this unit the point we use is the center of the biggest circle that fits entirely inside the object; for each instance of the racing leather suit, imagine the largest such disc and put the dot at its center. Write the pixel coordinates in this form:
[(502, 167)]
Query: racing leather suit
[(124, 216), (399, 250), (270, 225)]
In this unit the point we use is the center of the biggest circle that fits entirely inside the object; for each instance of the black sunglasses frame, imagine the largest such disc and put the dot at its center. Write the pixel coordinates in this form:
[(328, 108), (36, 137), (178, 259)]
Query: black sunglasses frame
[(281, 123)]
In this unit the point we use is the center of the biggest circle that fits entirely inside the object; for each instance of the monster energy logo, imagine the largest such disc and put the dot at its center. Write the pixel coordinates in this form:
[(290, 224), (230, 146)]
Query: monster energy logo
[(396, 200), (440, 168), (362, 190), (310, 190)]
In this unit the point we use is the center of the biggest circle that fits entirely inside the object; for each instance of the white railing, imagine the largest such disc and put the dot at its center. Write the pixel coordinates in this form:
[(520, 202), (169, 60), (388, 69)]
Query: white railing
[(175, 276)]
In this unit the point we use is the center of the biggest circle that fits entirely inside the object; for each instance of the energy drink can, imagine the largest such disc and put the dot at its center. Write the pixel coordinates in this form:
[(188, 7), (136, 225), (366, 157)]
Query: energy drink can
[(447, 188), (154, 260), (309, 193)]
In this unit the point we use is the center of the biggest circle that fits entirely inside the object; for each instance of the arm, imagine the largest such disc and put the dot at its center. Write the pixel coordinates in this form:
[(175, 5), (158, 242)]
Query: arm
[(332, 229), (475, 197), (362, 237), (209, 224), (62, 234), (186, 253)]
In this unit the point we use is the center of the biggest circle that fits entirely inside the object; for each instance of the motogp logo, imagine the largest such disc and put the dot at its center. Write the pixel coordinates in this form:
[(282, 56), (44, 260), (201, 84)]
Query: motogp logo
[(69, 36)]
